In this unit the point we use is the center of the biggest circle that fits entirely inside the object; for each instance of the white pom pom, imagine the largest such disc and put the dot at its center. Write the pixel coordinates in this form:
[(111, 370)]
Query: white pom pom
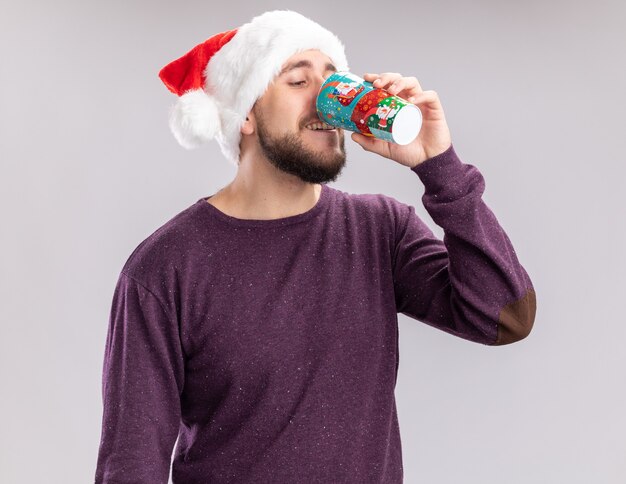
[(195, 119)]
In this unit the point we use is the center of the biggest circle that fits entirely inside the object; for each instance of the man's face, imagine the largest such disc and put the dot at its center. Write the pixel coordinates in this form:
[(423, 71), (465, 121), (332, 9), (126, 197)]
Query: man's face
[(286, 108)]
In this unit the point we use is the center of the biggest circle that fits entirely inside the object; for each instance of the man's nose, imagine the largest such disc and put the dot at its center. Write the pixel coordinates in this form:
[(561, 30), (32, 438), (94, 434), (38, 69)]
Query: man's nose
[(316, 86)]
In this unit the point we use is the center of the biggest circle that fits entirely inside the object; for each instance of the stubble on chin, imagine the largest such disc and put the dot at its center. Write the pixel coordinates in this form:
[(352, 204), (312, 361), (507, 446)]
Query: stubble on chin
[(290, 153)]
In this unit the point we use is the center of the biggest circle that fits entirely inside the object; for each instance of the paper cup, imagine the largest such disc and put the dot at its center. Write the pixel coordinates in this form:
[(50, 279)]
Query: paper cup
[(349, 102)]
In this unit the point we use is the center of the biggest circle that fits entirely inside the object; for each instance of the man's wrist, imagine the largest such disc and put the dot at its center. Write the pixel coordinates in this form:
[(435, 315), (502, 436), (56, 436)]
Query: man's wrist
[(430, 155)]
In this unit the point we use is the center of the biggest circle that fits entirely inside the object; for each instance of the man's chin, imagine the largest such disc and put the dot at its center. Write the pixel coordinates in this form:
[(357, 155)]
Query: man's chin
[(305, 155), (322, 155)]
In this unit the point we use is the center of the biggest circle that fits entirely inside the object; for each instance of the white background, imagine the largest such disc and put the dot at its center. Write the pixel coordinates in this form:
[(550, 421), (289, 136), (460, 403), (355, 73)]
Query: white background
[(533, 93)]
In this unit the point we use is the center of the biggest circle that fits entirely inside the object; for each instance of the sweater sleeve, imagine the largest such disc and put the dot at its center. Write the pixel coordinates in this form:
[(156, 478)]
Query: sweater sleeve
[(470, 285), (142, 379)]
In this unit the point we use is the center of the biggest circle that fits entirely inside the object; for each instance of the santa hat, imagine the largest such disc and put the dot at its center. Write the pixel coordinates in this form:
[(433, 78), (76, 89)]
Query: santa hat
[(219, 80)]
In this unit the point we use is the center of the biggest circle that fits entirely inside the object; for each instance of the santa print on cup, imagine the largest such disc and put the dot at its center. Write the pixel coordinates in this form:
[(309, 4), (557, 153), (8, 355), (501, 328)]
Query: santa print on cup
[(349, 102), (345, 92)]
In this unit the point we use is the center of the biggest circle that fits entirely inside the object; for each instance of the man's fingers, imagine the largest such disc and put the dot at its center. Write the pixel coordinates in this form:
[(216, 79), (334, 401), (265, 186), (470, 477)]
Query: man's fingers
[(394, 83), (396, 86), (386, 78), (429, 104), (424, 97), (410, 86)]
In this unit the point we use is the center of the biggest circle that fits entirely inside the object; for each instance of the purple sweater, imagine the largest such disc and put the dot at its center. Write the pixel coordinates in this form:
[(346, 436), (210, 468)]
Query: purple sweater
[(270, 347)]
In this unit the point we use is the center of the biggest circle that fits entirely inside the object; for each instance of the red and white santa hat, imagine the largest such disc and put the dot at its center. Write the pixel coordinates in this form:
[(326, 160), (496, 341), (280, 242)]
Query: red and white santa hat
[(219, 80)]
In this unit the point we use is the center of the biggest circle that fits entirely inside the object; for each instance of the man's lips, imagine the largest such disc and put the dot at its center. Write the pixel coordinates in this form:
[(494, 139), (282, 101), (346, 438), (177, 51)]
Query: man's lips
[(326, 132), (334, 130)]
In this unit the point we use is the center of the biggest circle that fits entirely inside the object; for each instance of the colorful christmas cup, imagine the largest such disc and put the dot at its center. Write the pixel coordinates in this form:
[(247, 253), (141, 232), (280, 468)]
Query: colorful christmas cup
[(347, 101)]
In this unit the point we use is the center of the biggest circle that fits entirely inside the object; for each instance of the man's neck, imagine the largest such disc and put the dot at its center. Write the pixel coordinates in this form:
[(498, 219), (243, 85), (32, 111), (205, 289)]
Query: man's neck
[(265, 194)]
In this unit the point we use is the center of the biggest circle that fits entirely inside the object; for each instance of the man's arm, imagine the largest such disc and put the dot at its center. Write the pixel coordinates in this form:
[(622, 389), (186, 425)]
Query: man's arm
[(142, 379), (470, 285)]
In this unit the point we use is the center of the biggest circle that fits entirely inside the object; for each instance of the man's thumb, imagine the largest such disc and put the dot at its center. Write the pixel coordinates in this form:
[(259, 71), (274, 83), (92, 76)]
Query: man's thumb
[(363, 140)]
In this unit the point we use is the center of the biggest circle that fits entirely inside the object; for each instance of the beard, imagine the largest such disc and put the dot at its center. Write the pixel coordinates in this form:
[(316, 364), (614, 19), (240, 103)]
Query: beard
[(290, 154)]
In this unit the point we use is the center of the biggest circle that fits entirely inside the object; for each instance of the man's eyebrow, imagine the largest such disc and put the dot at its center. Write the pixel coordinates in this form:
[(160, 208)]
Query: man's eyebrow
[(304, 63)]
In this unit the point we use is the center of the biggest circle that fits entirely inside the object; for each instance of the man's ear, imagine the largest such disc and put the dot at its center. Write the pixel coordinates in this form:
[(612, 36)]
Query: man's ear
[(248, 125)]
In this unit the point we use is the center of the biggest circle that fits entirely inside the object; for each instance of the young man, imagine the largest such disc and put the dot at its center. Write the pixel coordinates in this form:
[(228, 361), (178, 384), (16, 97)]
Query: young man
[(259, 325)]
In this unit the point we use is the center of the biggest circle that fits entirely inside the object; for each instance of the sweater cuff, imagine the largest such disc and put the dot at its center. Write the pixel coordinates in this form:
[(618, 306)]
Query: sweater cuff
[(443, 171)]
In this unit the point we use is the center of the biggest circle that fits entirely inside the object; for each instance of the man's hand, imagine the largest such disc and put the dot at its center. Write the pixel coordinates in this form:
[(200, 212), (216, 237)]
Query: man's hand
[(434, 136)]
